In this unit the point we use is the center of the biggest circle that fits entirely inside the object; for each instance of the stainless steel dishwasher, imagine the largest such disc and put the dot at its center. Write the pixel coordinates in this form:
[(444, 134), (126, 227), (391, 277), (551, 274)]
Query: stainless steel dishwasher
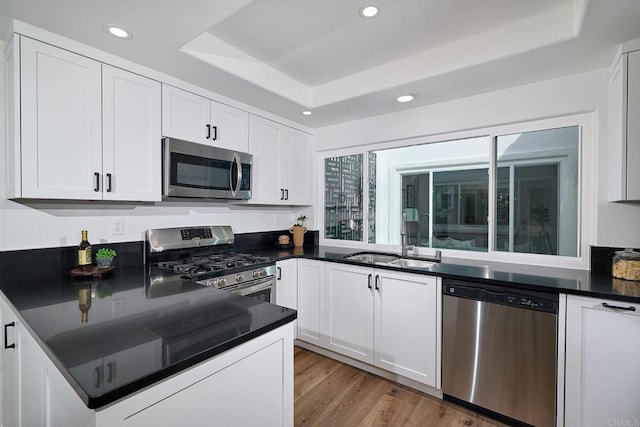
[(500, 350)]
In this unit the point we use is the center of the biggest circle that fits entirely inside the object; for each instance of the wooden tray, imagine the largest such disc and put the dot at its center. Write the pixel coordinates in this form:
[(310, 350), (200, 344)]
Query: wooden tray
[(92, 271)]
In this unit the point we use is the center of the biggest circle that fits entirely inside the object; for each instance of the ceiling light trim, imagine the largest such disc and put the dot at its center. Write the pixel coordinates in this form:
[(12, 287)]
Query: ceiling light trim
[(118, 32), (369, 11)]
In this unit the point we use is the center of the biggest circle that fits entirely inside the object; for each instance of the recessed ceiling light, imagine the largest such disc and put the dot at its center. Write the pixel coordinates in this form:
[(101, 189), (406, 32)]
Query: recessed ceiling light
[(306, 113), (407, 98), (118, 32), (369, 11)]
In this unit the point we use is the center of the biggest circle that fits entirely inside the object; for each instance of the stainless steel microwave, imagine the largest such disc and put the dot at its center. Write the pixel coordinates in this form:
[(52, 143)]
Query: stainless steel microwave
[(194, 170)]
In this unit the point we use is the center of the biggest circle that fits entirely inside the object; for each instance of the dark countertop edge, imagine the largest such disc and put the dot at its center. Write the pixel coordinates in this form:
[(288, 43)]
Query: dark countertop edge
[(135, 386), (483, 280)]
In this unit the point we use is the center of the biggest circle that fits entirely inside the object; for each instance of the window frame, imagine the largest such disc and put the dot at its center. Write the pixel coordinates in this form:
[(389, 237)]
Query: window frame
[(586, 199)]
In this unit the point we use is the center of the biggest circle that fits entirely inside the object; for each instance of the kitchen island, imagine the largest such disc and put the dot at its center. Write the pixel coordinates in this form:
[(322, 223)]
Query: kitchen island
[(187, 355)]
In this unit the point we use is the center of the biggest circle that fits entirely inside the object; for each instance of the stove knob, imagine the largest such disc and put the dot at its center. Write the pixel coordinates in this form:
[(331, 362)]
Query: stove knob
[(255, 274), (239, 278), (263, 272), (221, 282)]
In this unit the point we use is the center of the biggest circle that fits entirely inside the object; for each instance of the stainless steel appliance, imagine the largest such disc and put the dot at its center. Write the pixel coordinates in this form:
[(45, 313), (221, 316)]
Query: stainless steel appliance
[(499, 351), (179, 257), (200, 171)]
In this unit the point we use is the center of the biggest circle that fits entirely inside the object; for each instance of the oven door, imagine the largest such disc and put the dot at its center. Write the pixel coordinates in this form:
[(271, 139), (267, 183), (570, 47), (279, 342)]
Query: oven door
[(201, 171), (262, 289)]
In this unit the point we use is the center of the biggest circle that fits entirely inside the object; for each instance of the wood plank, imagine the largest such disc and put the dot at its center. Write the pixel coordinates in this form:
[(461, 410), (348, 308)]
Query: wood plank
[(330, 393)]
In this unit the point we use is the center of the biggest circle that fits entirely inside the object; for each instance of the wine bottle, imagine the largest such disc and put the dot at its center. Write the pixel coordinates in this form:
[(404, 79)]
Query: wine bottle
[(84, 300), (84, 252)]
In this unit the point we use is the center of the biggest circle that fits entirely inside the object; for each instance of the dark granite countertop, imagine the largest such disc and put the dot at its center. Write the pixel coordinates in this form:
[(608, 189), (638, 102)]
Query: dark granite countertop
[(557, 280), (133, 339)]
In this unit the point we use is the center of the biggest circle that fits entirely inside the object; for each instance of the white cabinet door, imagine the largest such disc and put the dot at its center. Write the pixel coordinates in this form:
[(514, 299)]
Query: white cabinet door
[(602, 369), (264, 144), (624, 151), (230, 127), (633, 127), (131, 136), (287, 283), (185, 115), (406, 325), (32, 387), (297, 167), (350, 310), (311, 301), (8, 359), (60, 123)]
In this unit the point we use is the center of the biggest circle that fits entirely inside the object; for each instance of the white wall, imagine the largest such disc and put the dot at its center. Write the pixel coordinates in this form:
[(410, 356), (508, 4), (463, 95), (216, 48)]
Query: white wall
[(40, 224), (613, 225)]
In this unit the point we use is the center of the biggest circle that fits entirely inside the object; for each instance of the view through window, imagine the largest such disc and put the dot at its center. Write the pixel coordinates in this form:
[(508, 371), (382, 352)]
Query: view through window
[(443, 188)]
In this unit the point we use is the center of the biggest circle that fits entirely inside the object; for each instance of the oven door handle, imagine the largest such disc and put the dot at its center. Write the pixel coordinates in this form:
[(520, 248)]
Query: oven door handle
[(260, 286), (238, 178)]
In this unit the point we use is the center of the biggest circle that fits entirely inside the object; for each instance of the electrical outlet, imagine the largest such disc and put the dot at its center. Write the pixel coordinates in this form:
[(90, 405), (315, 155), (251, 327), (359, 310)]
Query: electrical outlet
[(117, 226), (118, 306)]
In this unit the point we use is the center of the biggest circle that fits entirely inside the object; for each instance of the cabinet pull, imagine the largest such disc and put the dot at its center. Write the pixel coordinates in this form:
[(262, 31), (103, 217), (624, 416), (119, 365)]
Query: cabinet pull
[(215, 133), (108, 183), (617, 307), (111, 372), (286, 192), (6, 343), (282, 194), (97, 187), (208, 132), (279, 273), (98, 372), (377, 282), (369, 281)]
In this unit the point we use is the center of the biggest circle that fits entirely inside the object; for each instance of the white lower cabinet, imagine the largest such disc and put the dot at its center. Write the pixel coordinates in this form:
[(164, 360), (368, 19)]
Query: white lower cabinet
[(602, 368), (287, 285), (311, 302), (384, 318)]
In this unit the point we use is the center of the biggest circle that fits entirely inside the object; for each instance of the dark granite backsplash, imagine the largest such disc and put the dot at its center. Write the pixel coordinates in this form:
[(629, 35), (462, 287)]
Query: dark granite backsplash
[(47, 262), (602, 259)]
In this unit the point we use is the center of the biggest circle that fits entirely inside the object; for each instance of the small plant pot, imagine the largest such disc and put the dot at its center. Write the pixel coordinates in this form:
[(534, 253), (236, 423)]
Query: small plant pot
[(104, 262)]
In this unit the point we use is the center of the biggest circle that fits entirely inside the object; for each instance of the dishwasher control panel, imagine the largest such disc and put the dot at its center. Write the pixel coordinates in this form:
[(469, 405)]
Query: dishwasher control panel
[(507, 296)]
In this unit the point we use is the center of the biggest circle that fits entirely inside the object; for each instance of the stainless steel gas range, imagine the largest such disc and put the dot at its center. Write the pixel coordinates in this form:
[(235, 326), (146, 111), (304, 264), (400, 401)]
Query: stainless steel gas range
[(178, 257)]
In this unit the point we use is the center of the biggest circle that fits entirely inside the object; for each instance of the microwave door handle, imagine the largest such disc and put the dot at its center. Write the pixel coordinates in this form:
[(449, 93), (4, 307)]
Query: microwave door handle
[(238, 177)]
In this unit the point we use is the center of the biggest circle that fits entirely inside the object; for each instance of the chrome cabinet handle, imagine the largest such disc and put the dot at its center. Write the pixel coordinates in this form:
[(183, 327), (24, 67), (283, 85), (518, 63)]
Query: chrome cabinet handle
[(369, 281), (97, 187), (279, 273), (378, 282), (617, 307), (108, 183), (208, 132), (215, 133), (286, 192), (98, 372), (111, 372), (6, 341), (282, 194)]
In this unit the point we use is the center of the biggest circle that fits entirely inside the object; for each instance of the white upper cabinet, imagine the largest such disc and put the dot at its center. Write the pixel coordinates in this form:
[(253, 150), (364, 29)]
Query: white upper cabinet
[(282, 163), (624, 102), (192, 117), (131, 144), (60, 123), (87, 132)]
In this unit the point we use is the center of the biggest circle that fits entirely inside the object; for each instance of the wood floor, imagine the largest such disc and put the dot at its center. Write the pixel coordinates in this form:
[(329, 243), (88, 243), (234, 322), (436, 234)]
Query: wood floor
[(330, 393)]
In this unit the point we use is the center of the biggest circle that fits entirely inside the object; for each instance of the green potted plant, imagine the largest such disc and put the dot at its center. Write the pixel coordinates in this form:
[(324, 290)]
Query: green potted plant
[(104, 257), (298, 231)]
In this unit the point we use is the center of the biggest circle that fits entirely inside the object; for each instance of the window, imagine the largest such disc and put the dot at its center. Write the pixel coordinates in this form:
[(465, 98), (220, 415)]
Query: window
[(449, 191)]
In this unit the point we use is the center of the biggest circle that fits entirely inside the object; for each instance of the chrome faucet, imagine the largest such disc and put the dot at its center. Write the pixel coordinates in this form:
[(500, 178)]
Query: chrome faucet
[(403, 234)]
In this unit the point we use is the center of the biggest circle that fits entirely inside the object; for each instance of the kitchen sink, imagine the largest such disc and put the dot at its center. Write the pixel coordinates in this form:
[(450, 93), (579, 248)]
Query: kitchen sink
[(410, 262), (372, 257)]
